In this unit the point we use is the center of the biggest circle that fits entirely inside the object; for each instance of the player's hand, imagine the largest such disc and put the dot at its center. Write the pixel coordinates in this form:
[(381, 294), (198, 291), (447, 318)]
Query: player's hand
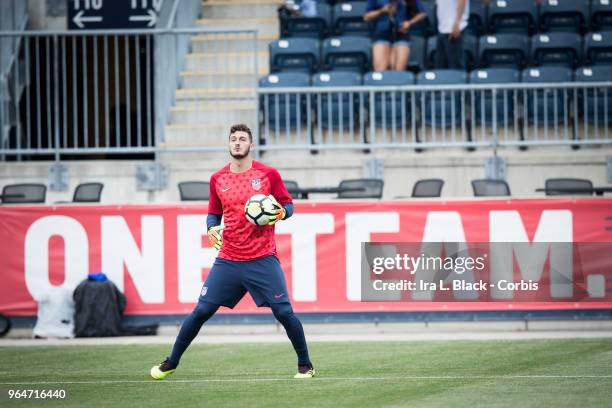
[(278, 214), (214, 236), (405, 27)]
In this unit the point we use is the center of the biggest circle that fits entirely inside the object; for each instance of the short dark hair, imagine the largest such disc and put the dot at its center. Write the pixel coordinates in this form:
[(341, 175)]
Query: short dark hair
[(241, 127)]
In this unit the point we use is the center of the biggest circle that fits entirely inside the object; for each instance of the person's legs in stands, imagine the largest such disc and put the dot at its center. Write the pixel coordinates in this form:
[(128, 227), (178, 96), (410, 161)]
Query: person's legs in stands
[(381, 51), (441, 60), (400, 54), (455, 53)]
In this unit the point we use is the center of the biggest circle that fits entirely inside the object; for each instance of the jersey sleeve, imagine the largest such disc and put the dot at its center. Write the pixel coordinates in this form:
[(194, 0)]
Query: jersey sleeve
[(214, 203), (279, 191)]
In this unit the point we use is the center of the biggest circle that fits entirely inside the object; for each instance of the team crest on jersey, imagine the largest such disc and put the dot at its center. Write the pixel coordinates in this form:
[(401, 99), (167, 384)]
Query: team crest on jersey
[(256, 184), (204, 290)]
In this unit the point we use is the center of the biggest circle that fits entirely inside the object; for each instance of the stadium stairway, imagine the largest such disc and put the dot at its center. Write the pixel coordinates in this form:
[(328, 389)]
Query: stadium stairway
[(218, 83)]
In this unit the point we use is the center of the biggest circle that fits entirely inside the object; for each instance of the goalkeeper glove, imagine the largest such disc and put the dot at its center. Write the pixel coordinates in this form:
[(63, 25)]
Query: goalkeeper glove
[(278, 214), (214, 236)]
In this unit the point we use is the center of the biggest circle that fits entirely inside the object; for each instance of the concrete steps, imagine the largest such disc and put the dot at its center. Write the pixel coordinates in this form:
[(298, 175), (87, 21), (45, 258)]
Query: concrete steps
[(217, 61), (217, 86), (239, 9), (220, 79), (266, 26), (182, 115), (236, 42)]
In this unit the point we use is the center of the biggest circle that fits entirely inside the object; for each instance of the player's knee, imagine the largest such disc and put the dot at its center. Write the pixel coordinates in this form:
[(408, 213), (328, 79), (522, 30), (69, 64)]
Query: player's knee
[(204, 310), (282, 311)]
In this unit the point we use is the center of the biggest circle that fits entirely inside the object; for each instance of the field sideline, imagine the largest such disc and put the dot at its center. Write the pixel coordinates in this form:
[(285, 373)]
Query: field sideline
[(510, 373)]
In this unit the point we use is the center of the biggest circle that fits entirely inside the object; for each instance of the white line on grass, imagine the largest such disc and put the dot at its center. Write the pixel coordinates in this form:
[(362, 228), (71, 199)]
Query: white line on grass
[(246, 380)]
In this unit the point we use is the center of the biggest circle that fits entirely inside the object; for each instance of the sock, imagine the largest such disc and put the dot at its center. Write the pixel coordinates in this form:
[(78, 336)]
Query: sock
[(190, 328), (285, 316)]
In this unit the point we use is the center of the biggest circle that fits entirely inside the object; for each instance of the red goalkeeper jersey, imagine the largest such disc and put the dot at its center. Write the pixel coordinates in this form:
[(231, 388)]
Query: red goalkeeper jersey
[(243, 241)]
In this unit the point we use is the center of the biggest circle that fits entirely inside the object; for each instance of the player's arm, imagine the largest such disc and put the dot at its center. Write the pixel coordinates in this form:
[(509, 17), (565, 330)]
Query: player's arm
[(281, 196), (213, 220)]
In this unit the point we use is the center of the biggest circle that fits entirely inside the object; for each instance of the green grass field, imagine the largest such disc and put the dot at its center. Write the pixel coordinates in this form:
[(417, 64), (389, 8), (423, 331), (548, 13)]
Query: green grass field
[(530, 373)]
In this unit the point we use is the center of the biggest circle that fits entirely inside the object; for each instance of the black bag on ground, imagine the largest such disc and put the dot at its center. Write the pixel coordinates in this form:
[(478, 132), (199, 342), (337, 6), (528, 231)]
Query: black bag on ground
[(99, 307)]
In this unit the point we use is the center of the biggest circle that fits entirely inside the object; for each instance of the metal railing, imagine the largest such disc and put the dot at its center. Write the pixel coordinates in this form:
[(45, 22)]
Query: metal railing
[(416, 116), (100, 91)]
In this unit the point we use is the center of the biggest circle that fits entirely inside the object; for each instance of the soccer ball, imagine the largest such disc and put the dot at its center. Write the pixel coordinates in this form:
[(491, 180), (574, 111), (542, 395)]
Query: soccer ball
[(259, 208)]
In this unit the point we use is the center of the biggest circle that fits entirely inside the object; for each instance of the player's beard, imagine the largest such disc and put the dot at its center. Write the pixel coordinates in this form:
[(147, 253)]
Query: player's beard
[(240, 156)]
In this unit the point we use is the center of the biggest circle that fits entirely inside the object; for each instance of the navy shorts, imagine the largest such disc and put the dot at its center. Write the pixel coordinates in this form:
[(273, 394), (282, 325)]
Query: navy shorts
[(228, 281)]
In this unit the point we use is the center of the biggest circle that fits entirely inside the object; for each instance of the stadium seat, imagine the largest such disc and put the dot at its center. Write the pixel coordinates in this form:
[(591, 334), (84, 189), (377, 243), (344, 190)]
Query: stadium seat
[(427, 188), (504, 51), (310, 27), (598, 48), (194, 190), (336, 110), (477, 22), (348, 19), (294, 55), (428, 26), (470, 44), (284, 111), (397, 105), (594, 107), (601, 15), (563, 15), (293, 188), (546, 105), (418, 48), (88, 193), (490, 188), (512, 16), (559, 49), (347, 53), (364, 188), (570, 183), (441, 108), (24, 193), (483, 103)]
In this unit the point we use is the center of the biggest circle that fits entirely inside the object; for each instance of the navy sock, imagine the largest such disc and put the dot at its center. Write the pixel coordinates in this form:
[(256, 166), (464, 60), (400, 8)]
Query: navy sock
[(190, 328), (285, 316)]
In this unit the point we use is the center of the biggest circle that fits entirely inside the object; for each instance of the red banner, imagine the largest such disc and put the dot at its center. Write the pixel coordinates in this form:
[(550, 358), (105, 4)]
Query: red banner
[(159, 255)]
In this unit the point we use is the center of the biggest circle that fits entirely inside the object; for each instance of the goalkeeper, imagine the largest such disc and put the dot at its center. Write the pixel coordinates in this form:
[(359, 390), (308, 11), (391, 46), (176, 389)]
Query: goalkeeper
[(247, 253)]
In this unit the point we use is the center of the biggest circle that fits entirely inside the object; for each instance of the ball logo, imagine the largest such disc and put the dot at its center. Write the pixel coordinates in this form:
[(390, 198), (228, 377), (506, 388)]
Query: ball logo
[(256, 184)]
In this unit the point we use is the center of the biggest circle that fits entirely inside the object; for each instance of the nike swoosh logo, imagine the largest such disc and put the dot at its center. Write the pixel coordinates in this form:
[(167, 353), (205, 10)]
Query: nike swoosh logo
[(278, 296), (223, 190)]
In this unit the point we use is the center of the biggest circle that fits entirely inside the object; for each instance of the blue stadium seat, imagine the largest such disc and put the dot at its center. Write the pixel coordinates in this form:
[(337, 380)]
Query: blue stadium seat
[(504, 101), (598, 48), (540, 103), (397, 105), (348, 19), (470, 46), (477, 23), (601, 15), (428, 26), (418, 48), (564, 15), (336, 110), (441, 108), (592, 102), (512, 16), (503, 51), (294, 54), (347, 53), (309, 27), (562, 49), (282, 111)]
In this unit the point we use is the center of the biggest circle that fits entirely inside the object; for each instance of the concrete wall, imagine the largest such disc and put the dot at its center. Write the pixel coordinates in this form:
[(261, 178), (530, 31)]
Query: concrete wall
[(526, 171)]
